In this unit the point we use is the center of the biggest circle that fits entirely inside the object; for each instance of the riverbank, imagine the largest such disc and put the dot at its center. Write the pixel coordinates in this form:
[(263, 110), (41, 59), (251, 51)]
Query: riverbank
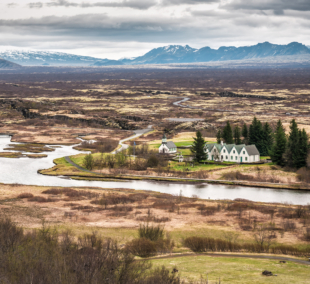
[(66, 167), (117, 213)]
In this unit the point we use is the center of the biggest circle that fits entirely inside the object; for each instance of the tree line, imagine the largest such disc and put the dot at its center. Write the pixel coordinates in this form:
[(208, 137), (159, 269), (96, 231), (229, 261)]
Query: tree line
[(285, 150)]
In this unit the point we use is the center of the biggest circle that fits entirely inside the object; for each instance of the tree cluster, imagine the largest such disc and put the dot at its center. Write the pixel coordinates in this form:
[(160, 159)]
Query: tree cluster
[(291, 150)]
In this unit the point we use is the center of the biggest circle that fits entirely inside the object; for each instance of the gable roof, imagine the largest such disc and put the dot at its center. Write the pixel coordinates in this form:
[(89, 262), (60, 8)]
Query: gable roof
[(252, 150), (170, 145)]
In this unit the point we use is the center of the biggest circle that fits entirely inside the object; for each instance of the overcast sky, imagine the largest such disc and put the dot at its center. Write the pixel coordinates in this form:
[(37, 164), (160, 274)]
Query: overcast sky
[(127, 28)]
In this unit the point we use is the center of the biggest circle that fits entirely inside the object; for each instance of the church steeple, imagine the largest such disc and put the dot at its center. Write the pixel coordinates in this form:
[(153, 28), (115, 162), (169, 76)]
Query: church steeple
[(164, 139)]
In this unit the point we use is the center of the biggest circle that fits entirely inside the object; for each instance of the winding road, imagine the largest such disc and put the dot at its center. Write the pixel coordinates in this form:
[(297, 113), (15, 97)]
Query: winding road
[(137, 134)]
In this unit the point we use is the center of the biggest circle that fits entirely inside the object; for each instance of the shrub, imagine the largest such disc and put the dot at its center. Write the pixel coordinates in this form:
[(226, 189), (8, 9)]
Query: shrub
[(88, 162), (152, 161), (25, 195), (162, 276), (152, 233), (41, 199), (43, 256), (142, 247), (196, 244)]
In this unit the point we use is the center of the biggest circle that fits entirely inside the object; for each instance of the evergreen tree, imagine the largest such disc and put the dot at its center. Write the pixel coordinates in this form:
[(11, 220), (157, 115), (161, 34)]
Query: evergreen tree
[(303, 148), (218, 137), (256, 135), (198, 147), (237, 135), (267, 139), (292, 154), (228, 134), (277, 151), (245, 134)]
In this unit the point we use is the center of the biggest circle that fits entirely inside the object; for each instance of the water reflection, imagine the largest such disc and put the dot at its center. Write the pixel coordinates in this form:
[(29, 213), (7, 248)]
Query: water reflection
[(24, 171)]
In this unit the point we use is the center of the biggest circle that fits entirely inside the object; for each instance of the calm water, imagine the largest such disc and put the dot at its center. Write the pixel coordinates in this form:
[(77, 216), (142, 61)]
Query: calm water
[(24, 171)]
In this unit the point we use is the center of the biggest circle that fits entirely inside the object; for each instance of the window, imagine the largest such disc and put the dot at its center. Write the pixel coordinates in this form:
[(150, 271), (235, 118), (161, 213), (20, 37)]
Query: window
[(243, 152), (231, 157), (246, 158), (236, 158), (234, 152), (226, 157), (224, 151)]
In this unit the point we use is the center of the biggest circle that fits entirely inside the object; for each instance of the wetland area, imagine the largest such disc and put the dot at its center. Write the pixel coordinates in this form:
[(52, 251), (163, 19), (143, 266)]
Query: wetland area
[(202, 210)]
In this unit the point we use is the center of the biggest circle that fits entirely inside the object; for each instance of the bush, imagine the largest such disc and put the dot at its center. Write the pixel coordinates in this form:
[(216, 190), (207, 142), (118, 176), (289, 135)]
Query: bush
[(152, 161), (162, 276), (142, 247), (25, 195), (152, 233), (44, 256), (88, 162), (41, 199)]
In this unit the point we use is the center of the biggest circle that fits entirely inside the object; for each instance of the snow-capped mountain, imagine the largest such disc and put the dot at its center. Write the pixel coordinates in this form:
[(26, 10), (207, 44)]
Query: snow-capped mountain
[(46, 58), (166, 54), (161, 55), (5, 64), (186, 54)]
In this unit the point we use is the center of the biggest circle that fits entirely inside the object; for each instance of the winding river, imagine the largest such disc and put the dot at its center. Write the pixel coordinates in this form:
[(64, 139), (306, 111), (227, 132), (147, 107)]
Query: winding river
[(24, 171)]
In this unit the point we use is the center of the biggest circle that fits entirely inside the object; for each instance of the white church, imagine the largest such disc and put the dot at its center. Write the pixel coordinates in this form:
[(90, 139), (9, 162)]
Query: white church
[(167, 147), (232, 153)]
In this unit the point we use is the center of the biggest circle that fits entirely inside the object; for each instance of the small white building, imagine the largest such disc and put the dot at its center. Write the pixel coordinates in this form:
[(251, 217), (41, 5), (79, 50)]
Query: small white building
[(167, 147), (232, 153)]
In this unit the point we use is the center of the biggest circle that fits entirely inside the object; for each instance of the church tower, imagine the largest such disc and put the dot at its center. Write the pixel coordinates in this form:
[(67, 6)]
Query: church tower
[(164, 139)]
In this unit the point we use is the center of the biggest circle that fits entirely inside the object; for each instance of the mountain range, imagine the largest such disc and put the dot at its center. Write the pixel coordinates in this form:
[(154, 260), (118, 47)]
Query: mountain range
[(5, 64), (162, 55)]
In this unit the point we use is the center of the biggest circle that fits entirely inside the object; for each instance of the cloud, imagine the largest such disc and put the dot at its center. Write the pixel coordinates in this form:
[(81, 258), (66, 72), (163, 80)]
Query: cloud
[(37, 5), (187, 2), (135, 4), (278, 6), (12, 5)]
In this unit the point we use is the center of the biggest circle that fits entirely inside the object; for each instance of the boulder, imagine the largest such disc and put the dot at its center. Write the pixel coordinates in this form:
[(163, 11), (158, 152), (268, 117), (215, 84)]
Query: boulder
[(267, 273)]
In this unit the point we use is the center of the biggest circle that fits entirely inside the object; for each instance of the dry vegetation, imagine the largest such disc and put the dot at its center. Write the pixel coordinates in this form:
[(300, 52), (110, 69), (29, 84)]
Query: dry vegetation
[(119, 213), (43, 109)]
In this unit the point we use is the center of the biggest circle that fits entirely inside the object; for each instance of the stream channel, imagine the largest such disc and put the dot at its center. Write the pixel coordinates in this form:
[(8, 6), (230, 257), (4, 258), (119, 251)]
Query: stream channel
[(24, 171)]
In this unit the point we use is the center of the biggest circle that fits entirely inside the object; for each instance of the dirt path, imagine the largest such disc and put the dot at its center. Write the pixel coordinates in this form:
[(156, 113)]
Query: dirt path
[(137, 134), (280, 258)]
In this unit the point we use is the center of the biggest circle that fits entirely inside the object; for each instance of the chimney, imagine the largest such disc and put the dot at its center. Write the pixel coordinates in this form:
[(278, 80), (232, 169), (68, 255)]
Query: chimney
[(222, 143)]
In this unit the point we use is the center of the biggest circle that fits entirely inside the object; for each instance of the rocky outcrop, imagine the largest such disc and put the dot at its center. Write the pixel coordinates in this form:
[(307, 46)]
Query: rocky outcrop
[(234, 95), (194, 125), (120, 123)]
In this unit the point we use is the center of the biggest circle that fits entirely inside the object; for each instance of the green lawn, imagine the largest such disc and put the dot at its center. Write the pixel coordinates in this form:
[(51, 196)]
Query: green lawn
[(236, 270), (182, 166)]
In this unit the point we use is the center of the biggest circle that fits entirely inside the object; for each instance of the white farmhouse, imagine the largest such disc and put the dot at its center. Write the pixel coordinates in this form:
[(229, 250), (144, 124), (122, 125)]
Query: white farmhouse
[(167, 147), (232, 153)]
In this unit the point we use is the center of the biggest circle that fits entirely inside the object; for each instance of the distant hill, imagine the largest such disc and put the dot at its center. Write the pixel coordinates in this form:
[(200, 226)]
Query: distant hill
[(186, 54), (161, 55), (46, 58), (5, 64), (107, 62)]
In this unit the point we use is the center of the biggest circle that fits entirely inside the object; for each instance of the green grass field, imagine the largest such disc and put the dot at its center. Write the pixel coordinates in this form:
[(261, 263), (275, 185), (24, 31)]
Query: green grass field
[(236, 270), (182, 166)]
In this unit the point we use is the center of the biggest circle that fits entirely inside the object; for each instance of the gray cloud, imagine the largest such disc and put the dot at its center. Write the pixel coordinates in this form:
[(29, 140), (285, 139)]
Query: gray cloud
[(135, 4), (62, 3), (12, 5), (188, 2), (37, 5), (97, 26), (278, 6)]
